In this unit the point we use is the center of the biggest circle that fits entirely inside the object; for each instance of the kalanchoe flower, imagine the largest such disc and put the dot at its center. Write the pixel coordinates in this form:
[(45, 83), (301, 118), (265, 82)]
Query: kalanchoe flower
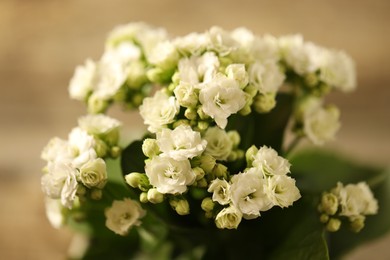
[(82, 83), (228, 218), (123, 215), (270, 163), (219, 144), (221, 191)]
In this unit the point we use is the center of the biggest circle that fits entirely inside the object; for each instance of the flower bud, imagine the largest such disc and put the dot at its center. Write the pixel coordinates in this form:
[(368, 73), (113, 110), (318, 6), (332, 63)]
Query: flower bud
[(190, 114), (202, 183), (202, 114), (180, 206), (154, 196), (324, 218), (199, 172), (333, 225), (220, 171), (206, 162), (311, 80), (207, 204), (138, 180), (181, 122), (250, 155), (263, 103), (235, 137), (143, 197), (357, 223), (96, 194), (100, 148), (96, 105), (203, 125), (115, 151), (150, 147), (232, 156), (329, 203), (246, 110)]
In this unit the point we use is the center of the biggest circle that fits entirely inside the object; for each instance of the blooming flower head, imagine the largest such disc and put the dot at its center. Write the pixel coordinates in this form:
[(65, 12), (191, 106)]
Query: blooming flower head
[(219, 144), (221, 191), (168, 175), (181, 143), (159, 111), (82, 82), (123, 215), (228, 218), (282, 191), (270, 163)]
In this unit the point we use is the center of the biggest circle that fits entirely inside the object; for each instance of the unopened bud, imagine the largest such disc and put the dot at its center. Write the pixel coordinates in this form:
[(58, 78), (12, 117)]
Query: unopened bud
[(329, 203), (180, 206), (190, 114), (357, 223), (207, 204), (202, 183), (203, 125), (96, 194), (263, 103), (324, 218), (333, 225), (202, 114), (199, 173), (143, 197), (138, 180), (150, 147), (207, 163), (154, 196), (235, 137), (100, 148), (220, 171), (96, 105), (115, 151), (250, 155), (246, 110)]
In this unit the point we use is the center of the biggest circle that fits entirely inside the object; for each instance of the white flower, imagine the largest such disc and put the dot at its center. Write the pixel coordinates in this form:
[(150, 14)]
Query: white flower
[(82, 82), (169, 175), (221, 41), (302, 57), (82, 146), (220, 98), (229, 218), (181, 143), (338, 70), (281, 190), (93, 174), (186, 94), (266, 77), (321, 124), (356, 199), (159, 110), (101, 125), (221, 191), (193, 43), (54, 213), (207, 66), (164, 55), (238, 73), (247, 193), (60, 183), (123, 215), (219, 144), (270, 163), (188, 71), (57, 150)]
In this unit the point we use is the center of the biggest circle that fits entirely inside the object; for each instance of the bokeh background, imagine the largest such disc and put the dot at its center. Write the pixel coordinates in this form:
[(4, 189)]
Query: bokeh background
[(41, 42)]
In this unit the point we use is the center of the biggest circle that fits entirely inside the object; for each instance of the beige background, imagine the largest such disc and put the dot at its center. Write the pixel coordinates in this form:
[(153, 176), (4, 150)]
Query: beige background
[(42, 41)]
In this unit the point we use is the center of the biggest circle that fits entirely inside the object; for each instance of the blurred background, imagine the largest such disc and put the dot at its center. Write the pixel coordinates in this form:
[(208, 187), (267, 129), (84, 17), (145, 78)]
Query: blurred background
[(42, 41)]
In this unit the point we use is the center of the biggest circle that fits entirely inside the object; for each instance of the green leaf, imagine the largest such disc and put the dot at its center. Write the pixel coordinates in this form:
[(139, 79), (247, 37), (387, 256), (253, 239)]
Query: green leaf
[(133, 159), (318, 171)]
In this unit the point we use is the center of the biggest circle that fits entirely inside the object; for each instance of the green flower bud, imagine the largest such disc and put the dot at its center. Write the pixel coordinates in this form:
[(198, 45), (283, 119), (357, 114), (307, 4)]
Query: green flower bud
[(220, 171), (199, 172), (100, 148), (190, 114), (235, 137), (329, 203), (115, 151), (150, 147), (246, 110), (202, 183), (143, 197), (251, 90), (181, 122), (207, 204), (180, 206), (137, 99), (96, 194), (81, 190), (232, 156), (311, 80), (263, 103), (333, 225), (209, 214), (250, 155), (324, 218), (138, 180), (202, 114), (154, 196), (357, 223), (96, 105), (203, 125)]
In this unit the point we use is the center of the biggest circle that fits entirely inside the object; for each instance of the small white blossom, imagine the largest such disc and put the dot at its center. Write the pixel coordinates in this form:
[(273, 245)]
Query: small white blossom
[(266, 77), (82, 146), (159, 110), (221, 191), (321, 124), (181, 143), (219, 144), (169, 175), (229, 218), (57, 150), (220, 98), (164, 55), (247, 193), (123, 215), (82, 82), (221, 41), (93, 174), (101, 125), (54, 212), (281, 190), (356, 199), (193, 43), (238, 73), (270, 163), (186, 94), (338, 70), (60, 183)]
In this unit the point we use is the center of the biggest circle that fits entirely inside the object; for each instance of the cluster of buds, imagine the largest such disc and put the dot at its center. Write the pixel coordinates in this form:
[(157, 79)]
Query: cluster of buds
[(350, 203)]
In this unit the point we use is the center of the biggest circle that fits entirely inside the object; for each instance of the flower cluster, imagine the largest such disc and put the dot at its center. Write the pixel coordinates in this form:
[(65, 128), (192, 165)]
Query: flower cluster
[(75, 167), (352, 202), (187, 90)]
